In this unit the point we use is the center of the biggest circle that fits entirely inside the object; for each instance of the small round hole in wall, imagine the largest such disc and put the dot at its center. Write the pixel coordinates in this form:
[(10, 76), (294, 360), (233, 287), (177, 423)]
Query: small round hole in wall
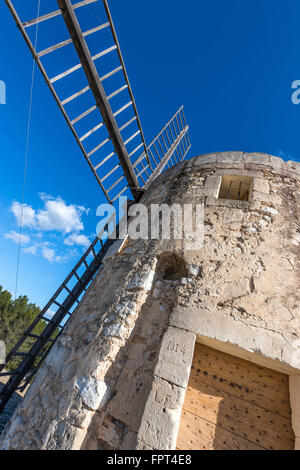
[(171, 266)]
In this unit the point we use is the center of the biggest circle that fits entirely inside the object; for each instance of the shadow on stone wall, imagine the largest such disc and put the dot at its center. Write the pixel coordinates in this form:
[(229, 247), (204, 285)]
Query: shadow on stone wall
[(9, 409), (116, 426)]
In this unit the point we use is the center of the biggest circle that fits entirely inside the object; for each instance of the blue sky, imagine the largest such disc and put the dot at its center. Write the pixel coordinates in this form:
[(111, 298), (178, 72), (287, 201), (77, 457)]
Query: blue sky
[(231, 64)]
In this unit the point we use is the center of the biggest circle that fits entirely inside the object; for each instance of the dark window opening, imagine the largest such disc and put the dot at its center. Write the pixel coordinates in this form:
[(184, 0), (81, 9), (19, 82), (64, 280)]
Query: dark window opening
[(237, 188)]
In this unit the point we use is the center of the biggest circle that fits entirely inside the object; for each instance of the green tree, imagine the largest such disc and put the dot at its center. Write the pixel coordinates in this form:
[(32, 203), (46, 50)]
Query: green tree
[(15, 317)]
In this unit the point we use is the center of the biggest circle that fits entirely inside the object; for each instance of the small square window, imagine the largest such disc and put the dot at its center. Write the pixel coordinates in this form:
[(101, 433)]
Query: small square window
[(234, 187)]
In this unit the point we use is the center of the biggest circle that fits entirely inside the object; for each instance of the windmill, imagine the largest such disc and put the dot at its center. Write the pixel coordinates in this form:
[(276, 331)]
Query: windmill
[(103, 118)]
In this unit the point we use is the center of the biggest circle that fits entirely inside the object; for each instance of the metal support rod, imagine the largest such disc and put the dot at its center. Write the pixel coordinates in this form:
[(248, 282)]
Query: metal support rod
[(240, 189), (170, 143), (172, 136), (166, 158), (229, 190)]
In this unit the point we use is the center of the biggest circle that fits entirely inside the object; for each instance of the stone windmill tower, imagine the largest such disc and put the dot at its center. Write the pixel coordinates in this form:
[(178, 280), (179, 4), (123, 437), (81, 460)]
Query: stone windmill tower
[(177, 345)]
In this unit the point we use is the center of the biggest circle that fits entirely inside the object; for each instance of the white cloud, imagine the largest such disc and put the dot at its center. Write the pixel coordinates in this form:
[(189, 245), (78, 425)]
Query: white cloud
[(57, 215), (57, 221), (31, 249), (77, 239), (16, 237), (84, 209), (28, 216), (49, 254)]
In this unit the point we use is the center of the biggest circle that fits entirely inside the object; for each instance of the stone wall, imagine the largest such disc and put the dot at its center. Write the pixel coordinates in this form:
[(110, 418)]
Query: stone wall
[(117, 376)]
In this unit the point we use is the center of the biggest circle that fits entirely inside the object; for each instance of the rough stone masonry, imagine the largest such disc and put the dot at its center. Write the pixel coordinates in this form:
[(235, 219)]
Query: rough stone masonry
[(116, 377)]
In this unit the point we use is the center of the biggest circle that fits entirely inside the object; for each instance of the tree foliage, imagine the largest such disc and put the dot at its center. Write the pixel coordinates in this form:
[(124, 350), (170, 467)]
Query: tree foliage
[(15, 317)]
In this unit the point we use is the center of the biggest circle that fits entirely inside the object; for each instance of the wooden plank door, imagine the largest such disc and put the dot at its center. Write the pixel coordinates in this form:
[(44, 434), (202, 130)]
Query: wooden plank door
[(231, 403)]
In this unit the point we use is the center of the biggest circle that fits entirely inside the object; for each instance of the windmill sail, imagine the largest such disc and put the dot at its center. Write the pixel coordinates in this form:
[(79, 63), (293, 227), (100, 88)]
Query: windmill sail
[(101, 110)]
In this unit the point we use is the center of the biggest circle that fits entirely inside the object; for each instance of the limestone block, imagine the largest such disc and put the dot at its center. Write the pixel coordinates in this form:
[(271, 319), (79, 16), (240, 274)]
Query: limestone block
[(137, 355), (233, 218), (58, 358), (212, 201), (80, 418), (115, 330), (156, 293), (276, 163), (231, 160), (230, 157), (190, 162), (35, 387), (270, 210), (161, 419), (295, 404), (278, 308), (141, 446), (288, 174), (110, 319), (46, 438), (205, 159), (69, 371), (272, 199), (91, 444), (175, 356), (296, 239), (260, 185), (187, 318), (196, 192), (109, 431), (186, 280), (251, 230), (212, 186), (249, 173), (130, 441), (256, 166), (115, 248), (225, 329), (126, 308), (240, 166), (258, 158), (233, 290), (94, 393), (129, 402), (65, 340), (16, 424), (194, 270), (293, 166), (263, 223), (142, 281), (73, 438)]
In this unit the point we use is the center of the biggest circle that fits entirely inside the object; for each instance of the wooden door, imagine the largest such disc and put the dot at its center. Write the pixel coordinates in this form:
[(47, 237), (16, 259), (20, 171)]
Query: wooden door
[(231, 403)]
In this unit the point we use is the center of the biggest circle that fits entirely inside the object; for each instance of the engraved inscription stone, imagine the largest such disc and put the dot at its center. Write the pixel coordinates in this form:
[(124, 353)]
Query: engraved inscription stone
[(176, 356)]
